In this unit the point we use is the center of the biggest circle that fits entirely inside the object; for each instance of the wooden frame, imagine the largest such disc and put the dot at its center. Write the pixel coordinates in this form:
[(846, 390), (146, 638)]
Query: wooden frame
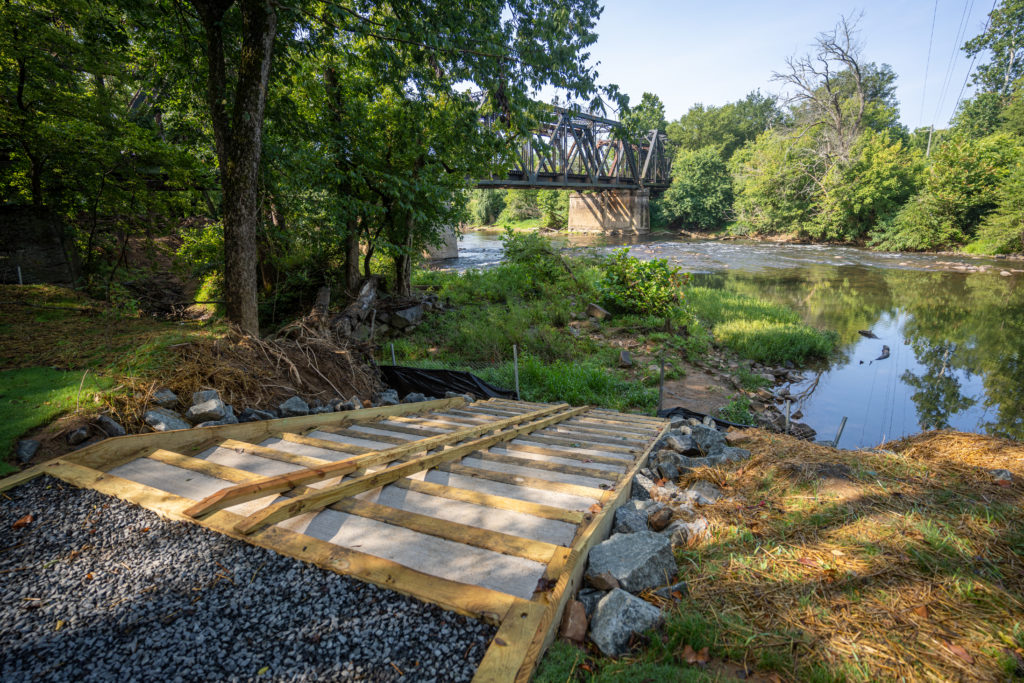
[(526, 626)]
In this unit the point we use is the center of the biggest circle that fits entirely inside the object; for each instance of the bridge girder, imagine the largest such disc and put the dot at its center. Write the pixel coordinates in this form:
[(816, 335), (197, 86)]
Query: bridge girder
[(577, 151)]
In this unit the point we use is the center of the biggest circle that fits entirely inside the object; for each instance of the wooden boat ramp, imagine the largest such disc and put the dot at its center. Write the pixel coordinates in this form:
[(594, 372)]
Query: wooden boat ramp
[(485, 508)]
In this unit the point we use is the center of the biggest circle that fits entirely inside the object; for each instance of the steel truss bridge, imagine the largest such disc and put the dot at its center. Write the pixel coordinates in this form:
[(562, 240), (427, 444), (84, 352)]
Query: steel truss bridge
[(581, 152)]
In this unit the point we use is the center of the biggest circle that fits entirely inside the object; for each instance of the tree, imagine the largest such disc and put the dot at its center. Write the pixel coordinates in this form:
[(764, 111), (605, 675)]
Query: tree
[(728, 127), (554, 207), (701, 191), (774, 183), (1002, 231), (1004, 38), (648, 115)]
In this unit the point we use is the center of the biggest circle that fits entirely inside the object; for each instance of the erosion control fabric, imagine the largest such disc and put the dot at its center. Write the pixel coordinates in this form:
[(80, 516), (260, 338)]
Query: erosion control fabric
[(436, 382)]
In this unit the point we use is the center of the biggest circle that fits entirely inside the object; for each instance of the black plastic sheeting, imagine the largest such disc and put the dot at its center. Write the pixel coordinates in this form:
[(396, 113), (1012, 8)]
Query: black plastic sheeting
[(687, 413), (437, 382)]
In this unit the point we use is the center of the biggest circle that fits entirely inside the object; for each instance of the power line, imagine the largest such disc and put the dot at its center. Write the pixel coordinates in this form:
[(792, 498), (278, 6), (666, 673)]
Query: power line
[(928, 59), (950, 66), (970, 69)]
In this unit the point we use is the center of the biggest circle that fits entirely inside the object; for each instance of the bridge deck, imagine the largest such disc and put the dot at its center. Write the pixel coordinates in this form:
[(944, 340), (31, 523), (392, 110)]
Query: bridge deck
[(488, 509)]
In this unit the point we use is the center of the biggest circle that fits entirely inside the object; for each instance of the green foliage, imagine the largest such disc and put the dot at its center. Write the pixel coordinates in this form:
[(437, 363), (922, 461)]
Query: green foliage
[(554, 208), (868, 189), (960, 188), (1000, 40), (727, 127), (979, 116), (701, 190), (737, 410), (529, 250), (486, 205), (1002, 231), (773, 191), (757, 329), (32, 397), (646, 116), (646, 287), (519, 205)]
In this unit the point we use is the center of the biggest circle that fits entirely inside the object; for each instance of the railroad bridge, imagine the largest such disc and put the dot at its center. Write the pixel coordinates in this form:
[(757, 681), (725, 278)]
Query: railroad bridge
[(612, 179)]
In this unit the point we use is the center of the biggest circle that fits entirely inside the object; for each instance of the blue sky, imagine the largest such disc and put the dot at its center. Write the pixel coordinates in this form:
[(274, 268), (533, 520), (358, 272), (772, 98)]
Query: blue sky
[(716, 52)]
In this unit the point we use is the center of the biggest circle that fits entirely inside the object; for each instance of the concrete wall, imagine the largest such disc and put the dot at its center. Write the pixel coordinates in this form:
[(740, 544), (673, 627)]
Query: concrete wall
[(448, 249), (611, 211)]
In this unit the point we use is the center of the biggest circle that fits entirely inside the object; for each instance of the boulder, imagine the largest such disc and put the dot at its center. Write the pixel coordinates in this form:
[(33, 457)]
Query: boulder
[(624, 359), (205, 395), (407, 317), (667, 469), (165, 398), (590, 597), (77, 436), (255, 414), (617, 617), (674, 592), (206, 411), (637, 561), (734, 454), (109, 426), (602, 582), (388, 397), (641, 487), (352, 404), (414, 397), (710, 441), (680, 443), (574, 622), (738, 438), (595, 311), (681, 534), (704, 493), (452, 394), (164, 420), (632, 516), (320, 410), (293, 407), (26, 450), (1001, 475), (680, 425), (660, 518)]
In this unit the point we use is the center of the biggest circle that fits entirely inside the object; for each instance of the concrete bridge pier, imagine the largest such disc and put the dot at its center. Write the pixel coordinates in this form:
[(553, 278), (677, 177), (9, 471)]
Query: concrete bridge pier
[(614, 212)]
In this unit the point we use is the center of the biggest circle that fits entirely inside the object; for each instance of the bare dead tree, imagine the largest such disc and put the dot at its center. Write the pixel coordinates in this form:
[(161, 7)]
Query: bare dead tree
[(827, 92)]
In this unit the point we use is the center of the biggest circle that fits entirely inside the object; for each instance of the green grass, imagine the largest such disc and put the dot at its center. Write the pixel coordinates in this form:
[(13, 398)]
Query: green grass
[(737, 410), (758, 329), (32, 397)]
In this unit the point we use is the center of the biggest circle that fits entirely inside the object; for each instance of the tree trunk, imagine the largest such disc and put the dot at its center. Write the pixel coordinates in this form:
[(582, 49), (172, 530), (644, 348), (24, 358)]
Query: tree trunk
[(352, 277), (239, 141), (403, 262)]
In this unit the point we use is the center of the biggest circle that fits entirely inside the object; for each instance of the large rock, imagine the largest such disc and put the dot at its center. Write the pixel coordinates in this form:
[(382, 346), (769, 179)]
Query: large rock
[(624, 359), (595, 311), (407, 317), (255, 414), (205, 395), (590, 597), (704, 493), (77, 436), (632, 516), (109, 426), (680, 443), (731, 453), (26, 450), (638, 561), (414, 397), (165, 398), (642, 487), (164, 420), (210, 410), (681, 534), (617, 617), (574, 622), (293, 407), (388, 397), (710, 441)]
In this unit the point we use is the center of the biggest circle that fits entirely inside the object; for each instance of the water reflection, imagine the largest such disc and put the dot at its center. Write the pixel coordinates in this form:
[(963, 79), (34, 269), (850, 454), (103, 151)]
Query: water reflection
[(956, 339)]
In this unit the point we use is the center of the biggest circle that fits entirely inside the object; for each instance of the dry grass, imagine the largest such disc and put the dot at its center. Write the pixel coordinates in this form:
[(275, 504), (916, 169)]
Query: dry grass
[(903, 564)]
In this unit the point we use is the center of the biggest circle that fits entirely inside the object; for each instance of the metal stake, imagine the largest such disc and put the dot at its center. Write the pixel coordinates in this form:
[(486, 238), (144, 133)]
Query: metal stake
[(787, 417), (373, 320), (840, 432), (661, 383), (20, 282), (515, 368), (393, 361)]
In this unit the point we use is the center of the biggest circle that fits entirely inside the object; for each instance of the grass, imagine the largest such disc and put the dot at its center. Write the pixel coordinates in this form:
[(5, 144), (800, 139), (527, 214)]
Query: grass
[(829, 565), (32, 397), (737, 410), (758, 329)]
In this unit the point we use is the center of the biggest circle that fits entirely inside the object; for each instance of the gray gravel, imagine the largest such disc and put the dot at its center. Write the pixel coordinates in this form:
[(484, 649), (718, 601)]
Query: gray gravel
[(138, 598)]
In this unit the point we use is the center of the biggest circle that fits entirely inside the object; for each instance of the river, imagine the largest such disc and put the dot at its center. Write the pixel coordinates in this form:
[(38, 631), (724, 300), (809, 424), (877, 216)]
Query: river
[(954, 326)]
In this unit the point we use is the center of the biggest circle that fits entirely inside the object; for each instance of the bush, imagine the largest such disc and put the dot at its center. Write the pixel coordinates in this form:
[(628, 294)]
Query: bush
[(486, 205), (1002, 231), (701, 190), (645, 287), (554, 207), (774, 193), (519, 205)]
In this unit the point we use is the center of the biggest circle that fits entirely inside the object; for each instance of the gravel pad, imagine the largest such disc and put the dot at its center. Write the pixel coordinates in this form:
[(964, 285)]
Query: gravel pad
[(95, 589)]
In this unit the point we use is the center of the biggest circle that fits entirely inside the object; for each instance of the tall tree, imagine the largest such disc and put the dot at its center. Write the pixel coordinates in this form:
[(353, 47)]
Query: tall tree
[(1004, 38)]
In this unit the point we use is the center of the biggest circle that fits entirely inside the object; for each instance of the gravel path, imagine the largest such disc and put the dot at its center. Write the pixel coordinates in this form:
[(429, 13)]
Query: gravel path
[(95, 589)]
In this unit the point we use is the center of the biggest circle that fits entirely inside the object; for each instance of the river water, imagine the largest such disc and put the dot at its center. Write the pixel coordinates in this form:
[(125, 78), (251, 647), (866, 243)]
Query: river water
[(954, 326)]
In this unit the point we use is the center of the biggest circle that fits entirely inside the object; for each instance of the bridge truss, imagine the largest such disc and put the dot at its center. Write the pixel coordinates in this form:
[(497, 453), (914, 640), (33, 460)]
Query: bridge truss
[(581, 152)]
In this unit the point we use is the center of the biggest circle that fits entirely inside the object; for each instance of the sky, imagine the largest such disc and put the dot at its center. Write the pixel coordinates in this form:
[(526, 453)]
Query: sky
[(716, 52)]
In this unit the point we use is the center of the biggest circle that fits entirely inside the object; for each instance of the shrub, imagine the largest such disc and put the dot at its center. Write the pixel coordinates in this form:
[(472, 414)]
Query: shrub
[(645, 287), (701, 190), (554, 207)]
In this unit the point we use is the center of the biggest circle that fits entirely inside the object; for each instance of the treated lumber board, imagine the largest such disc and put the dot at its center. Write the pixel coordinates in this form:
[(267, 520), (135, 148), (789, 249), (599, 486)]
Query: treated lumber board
[(572, 572), (355, 434), (325, 444), (283, 482), (269, 453), (416, 431), (575, 431), (20, 478), (115, 451), (571, 455), (620, 431), (628, 417), (490, 500), (507, 544), (484, 411), (510, 644), (467, 599), (314, 501), (523, 480), (549, 466), (554, 439)]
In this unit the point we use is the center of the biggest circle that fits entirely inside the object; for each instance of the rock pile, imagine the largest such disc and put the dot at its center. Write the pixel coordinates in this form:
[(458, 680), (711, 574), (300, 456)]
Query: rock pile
[(638, 557)]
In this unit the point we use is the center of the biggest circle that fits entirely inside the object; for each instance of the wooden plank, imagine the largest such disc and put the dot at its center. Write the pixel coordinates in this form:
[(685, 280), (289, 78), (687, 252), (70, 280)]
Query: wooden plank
[(603, 438), (416, 431), (628, 417), (109, 453), (522, 480), (467, 599), (571, 455), (325, 444), (572, 574), (20, 478), (367, 436), (211, 469), (491, 500), (282, 482), (568, 440), (305, 461), (620, 431), (510, 645), (549, 466), (314, 501)]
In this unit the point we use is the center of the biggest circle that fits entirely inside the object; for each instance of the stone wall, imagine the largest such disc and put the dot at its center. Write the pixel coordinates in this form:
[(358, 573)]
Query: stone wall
[(610, 211)]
